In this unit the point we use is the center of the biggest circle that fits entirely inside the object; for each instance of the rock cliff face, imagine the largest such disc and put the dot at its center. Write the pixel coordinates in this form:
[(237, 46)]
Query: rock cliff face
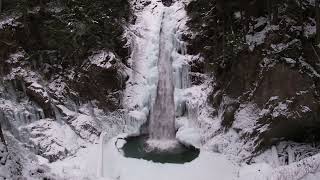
[(62, 70), (260, 58)]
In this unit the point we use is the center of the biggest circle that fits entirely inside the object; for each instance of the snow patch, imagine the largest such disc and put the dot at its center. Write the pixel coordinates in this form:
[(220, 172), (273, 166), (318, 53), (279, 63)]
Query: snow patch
[(53, 140), (102, 59), (246, 118), (258, 38)]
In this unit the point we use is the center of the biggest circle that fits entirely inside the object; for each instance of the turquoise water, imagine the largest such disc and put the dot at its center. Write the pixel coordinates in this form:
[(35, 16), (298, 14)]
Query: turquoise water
[(136, 148)]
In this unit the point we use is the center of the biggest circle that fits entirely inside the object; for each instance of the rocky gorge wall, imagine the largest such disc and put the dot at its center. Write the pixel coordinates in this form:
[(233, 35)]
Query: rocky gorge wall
[(62, 75), (264, 67)]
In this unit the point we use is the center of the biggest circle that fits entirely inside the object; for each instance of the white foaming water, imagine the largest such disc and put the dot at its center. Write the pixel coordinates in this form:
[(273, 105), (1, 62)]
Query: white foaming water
[(162, 145)]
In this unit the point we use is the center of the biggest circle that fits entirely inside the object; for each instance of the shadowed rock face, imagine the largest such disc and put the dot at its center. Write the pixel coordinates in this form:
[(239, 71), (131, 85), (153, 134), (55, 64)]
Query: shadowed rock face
[(53, 48), (167, 2), (278, 74), (45, 65)]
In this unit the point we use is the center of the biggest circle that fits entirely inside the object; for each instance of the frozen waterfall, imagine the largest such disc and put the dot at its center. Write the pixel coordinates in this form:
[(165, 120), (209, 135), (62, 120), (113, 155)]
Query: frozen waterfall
[(155, 92)]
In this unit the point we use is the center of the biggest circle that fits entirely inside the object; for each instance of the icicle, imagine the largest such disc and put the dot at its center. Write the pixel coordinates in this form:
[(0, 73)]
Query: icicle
[(11, 91), (57, 113), (180, 46), (291, 158), (29, 117), (21, 117), (152, 97), (24, 89), (41, 113), (185, 48), (101, 158), (4, 119), (193, 110), (2, 116), (35, 115), (185, 82), (181, 76), (134, 121), (180, 107), (75, 107), (146, 99), (275, 156), (91, 109), (177, 78), (17, 116)]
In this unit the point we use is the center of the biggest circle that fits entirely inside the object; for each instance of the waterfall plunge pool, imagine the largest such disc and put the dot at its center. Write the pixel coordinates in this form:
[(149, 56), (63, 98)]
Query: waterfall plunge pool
[(137, 147)]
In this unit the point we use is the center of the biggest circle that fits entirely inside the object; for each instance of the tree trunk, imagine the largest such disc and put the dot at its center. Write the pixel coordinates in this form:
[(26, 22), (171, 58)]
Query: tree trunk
[(0, 6), (317, 21)]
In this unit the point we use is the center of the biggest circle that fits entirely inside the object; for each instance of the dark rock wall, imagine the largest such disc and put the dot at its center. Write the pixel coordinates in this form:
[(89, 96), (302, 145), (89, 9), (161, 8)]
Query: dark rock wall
[(56, 38), (281, 70), (47, 69)]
